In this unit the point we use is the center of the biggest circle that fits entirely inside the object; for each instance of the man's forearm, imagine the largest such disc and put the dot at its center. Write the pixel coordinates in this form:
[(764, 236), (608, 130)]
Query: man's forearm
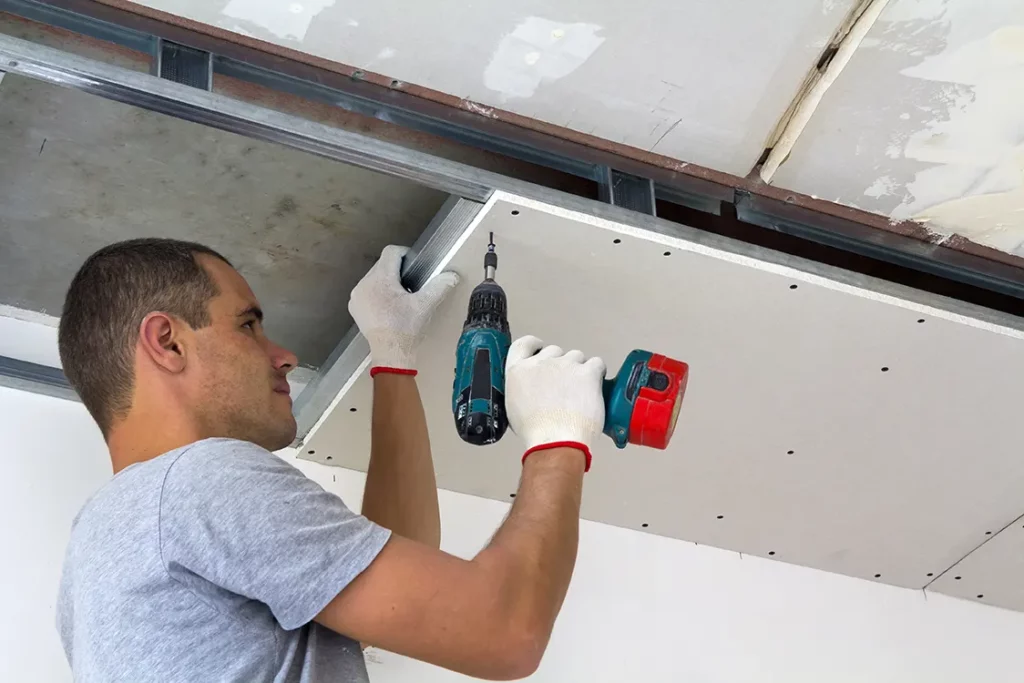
[(534, 551), (401, 492)]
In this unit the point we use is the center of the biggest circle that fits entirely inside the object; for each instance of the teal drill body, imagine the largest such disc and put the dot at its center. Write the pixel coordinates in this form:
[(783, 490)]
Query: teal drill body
[(478, 394)]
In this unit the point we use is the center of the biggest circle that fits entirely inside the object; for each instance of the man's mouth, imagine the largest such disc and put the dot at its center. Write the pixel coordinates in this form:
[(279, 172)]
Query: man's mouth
[(283, 388)]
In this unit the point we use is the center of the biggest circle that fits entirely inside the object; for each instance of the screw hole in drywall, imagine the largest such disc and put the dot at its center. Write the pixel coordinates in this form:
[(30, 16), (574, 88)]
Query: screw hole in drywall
[(616, 241), (878, 576), (885, 369), (397, 84), (511, 495), (981, 595), (988, 533), (721, 517), (790, 452), (515, 213), (358, 74), (330, 458), (667, 253), (352, 410), (311, 452), (957, 578), (645, 525), (920, 320), (771, 553), (793, 286), (929, 574)]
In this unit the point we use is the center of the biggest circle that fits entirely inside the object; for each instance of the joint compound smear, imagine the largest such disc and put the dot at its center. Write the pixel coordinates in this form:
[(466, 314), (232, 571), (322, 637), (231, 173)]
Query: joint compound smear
[(973, 184), (539, 50)]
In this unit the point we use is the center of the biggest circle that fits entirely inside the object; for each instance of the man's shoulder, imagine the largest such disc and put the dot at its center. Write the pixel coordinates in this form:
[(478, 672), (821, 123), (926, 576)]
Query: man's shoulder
[(220, 457), (200, 461)]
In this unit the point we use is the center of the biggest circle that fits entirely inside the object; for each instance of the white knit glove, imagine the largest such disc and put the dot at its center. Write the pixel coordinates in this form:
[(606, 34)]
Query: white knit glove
[(553, 398), (391, 318)]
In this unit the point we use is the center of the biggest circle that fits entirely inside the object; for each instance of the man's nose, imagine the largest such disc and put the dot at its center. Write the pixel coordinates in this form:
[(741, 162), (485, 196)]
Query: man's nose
[(282, 358)]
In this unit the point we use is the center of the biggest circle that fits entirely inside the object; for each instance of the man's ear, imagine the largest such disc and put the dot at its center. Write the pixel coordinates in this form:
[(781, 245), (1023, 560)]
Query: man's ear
[(160, 340)]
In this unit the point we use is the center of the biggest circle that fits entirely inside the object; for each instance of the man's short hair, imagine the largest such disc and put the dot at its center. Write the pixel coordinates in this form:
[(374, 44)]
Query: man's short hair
[(112, 292)]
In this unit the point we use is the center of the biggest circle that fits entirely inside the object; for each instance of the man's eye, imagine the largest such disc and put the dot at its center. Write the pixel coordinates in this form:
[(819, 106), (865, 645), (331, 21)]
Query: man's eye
[(251, 324)]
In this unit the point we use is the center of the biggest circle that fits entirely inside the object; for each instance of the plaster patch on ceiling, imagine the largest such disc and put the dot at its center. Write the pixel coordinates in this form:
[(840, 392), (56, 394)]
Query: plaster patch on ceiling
[(881, 187), (976, 185), (538, 51), (284, 20)]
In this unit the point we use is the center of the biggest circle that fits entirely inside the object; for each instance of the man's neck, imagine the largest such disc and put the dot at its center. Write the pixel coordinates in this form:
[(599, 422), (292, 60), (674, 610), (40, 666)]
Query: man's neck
[(136, 439)]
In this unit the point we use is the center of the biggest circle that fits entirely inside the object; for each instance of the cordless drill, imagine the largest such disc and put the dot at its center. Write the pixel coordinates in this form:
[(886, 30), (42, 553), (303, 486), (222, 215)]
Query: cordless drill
[(478, 396), (641, 402)]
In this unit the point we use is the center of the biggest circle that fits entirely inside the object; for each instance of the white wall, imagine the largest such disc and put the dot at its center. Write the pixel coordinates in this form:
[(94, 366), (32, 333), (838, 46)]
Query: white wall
[(641, 607), (53, 458)]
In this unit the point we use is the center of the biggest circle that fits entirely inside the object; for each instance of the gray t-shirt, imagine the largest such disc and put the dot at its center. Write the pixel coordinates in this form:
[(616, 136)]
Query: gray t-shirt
[(209, 563)]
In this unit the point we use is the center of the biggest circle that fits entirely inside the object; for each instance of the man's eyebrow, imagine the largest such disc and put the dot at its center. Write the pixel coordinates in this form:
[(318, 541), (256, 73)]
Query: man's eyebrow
[(253, 311)]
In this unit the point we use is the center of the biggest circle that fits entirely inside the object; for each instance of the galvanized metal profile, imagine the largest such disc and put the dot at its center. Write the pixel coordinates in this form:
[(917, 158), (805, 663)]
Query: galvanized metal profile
[(627, 190), (183, 64), (143, 90), (908, 252), (38, 379), (438, 240), (45, 13)]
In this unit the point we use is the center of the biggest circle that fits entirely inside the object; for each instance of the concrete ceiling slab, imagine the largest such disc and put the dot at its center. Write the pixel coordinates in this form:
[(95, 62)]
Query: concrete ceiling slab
[(831, 421), (924, 122), (703, 81), (80, 172)]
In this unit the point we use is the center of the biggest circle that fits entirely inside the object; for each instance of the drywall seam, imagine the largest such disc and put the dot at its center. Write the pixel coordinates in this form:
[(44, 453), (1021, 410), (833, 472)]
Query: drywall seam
[(818, 83), (973, 550)]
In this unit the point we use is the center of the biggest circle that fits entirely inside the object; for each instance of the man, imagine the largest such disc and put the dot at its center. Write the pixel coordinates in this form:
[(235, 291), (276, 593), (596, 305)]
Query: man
[(207, 558)]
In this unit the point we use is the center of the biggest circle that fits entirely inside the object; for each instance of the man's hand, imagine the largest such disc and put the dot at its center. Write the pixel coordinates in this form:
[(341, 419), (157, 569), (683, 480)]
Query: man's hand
[(491, 617), (553, 398), (400, 492), (391, 318)]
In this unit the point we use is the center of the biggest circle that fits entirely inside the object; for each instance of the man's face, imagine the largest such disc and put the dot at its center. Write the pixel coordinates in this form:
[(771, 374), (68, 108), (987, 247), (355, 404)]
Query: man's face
[(241, 385)]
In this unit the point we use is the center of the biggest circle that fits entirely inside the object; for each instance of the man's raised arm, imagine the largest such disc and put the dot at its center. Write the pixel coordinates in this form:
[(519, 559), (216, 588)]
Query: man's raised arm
[(400, 492), (491, 617)]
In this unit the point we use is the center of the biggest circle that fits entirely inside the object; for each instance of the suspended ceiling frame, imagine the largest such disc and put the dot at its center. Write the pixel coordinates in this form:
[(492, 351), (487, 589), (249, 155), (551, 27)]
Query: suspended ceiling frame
[(470, 188), (462, 181), (247, 60)]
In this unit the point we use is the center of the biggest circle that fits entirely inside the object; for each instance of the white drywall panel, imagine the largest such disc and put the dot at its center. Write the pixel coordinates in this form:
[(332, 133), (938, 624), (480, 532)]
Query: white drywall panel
[(640, 607), (703, 81), (924, 122), (993, 574), (53, 459), (825, 424)]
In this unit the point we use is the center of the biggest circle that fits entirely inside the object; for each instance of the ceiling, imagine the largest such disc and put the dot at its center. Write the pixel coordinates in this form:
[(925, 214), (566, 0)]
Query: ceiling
[(925, 122), (831, 420), (81, 172), (705, 83), (921, 123)]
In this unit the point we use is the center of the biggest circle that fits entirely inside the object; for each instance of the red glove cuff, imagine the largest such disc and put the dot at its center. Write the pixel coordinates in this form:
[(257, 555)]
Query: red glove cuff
[(377, 369), (561, 444)]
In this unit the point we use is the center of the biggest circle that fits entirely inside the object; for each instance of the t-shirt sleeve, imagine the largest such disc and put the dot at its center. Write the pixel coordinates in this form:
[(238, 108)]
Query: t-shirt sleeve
[(240, 517)]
